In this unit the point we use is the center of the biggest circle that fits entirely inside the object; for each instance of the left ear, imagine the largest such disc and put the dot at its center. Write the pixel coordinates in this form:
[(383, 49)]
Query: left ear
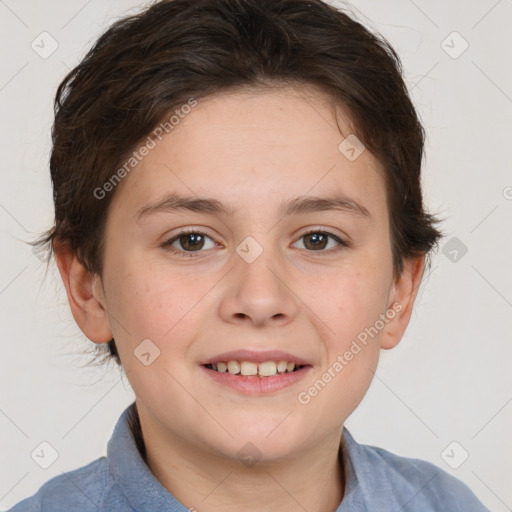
[(401, 301)]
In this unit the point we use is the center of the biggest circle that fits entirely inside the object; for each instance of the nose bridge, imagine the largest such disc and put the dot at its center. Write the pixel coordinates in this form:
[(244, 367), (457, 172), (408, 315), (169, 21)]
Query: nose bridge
[(259, 290)]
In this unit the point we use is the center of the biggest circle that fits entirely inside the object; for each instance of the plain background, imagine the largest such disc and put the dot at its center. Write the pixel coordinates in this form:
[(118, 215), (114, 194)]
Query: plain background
[(448, 380)]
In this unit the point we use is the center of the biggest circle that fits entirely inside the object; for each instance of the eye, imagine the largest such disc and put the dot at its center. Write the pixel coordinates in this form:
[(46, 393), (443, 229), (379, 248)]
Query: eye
[(317, 240), (189, 241)]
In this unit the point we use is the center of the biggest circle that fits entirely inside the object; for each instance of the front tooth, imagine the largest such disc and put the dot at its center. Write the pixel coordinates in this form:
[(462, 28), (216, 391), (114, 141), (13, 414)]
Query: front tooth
[(221, 367), (290, 367), (233, 367), (268, 368), (281, 366), (248, 368)]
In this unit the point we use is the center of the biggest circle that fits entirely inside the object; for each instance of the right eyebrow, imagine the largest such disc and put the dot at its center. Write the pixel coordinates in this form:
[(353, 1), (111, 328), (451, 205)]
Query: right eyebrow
[(174, 202)]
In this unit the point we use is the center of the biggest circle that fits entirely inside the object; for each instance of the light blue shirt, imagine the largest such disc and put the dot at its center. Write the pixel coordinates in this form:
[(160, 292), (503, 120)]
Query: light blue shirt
[(376, 481)]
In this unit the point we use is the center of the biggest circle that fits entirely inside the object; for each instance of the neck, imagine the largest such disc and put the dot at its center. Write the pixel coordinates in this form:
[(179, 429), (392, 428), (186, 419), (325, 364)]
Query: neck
[(313, 480)]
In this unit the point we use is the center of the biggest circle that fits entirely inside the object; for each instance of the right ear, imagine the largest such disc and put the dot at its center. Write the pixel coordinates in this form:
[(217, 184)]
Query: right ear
[(85, 295)]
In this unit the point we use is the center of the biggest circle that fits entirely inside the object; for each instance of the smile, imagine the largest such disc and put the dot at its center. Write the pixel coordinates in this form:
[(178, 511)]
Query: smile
[(248, 368), (256, 379)]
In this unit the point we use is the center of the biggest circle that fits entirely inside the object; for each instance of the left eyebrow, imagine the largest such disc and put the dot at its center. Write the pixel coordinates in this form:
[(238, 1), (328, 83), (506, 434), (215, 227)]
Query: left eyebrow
[(304, 204), (310, 204)]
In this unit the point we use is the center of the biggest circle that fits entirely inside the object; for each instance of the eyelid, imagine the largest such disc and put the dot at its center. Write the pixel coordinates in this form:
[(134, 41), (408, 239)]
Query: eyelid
[(168, 241), (343, 241), (328, 231)]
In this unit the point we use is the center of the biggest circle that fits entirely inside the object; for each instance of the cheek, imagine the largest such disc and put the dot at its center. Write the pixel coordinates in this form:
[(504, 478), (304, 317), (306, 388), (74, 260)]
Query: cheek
[(153, 301), (350, 305), (351, 342), (144, 303), (362, 306), (350, 299), (154, 315)]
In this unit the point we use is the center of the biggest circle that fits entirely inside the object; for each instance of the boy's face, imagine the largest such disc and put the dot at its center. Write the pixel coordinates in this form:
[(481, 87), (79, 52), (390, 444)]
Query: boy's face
[(254, 281)]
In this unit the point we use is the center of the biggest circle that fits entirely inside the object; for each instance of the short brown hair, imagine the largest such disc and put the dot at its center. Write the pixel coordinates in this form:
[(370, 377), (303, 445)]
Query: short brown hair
[(146, 65)]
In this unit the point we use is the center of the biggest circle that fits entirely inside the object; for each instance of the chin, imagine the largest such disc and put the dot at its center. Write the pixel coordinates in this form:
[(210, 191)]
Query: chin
[(266, 441)]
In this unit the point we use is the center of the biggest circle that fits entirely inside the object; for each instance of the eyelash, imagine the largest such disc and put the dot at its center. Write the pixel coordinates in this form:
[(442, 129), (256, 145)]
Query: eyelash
[(343, 244)]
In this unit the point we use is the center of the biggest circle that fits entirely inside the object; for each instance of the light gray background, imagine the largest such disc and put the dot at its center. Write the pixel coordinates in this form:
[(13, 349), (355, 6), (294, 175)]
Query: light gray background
[(449, 379)]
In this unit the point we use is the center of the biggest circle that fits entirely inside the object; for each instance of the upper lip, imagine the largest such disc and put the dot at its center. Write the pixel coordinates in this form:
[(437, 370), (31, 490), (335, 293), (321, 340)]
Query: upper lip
[(257, 357)]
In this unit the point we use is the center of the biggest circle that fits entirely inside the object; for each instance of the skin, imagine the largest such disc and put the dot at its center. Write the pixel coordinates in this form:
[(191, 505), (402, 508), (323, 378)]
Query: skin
[(251, 150)]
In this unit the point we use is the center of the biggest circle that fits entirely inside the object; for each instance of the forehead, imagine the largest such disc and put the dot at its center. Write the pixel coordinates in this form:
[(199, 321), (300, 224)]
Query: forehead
[(256, 145)]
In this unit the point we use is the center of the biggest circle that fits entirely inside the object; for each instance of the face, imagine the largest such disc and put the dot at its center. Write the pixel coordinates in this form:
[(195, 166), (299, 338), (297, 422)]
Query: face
[(250, 271)]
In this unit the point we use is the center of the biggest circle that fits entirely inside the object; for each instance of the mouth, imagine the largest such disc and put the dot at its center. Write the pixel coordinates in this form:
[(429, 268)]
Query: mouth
[(256, 373), (264, 369)]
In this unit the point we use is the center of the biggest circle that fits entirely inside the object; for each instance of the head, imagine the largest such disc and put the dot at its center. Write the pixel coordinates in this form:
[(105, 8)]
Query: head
[(293, 121)]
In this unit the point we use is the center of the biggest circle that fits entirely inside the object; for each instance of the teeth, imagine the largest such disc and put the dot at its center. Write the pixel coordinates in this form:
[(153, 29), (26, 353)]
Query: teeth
[(247, 368), (266, 369), (233, 367), (281, 366)]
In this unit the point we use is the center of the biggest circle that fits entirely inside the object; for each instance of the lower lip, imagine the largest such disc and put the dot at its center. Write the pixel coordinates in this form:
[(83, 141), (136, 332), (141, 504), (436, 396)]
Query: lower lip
[(254, 385)]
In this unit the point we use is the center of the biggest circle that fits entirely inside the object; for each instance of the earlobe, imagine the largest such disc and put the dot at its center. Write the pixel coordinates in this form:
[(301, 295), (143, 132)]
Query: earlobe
[(87, 306), (403, 296)]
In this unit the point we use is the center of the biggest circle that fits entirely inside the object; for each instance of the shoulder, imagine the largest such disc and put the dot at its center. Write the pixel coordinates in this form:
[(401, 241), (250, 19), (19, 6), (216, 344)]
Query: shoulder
[(82, 489), (412, 484)]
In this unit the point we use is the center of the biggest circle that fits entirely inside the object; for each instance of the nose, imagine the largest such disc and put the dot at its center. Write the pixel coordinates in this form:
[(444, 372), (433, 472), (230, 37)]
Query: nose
[(259, 292)]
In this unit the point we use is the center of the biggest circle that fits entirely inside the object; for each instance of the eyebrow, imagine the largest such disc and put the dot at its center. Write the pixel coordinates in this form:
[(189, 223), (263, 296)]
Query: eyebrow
[(304, 204)]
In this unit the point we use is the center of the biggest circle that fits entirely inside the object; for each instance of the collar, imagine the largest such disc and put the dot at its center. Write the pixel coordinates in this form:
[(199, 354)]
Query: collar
[(136, 481)]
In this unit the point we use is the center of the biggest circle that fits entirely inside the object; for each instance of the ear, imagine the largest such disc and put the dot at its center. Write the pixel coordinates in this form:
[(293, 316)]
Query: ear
[(85, 295), (401, 301)]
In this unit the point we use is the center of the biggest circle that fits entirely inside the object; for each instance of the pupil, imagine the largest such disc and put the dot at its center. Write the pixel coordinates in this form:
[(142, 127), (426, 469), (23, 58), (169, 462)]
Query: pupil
[(194, 238), (318, 240)]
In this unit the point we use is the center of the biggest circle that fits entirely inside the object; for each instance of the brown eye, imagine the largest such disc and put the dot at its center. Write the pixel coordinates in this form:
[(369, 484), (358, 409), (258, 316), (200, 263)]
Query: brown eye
[(191, 241), (316, 241), (188, 242), (319, 240)]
